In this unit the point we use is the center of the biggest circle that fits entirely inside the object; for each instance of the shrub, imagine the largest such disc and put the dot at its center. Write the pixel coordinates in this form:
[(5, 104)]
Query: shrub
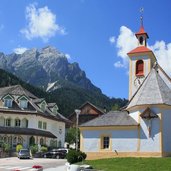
[(74, 156), (6, 147), (18, 147), (44, 149), (34, 148)]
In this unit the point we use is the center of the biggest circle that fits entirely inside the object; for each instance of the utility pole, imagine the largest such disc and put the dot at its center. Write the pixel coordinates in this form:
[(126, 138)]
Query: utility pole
[(77, 111)]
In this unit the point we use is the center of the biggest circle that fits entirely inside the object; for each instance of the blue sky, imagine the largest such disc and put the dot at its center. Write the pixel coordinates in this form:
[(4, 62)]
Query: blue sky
[(95, 33)]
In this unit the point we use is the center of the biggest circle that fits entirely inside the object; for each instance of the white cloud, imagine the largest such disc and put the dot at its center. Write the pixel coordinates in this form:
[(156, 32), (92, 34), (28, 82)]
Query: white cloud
[(162, 52), (127, 41), (20, 50), (118, 64), (67, 56), (41, 23), (112, 39)]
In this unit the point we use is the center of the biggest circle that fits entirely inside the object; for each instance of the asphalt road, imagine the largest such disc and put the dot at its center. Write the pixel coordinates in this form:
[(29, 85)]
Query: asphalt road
[(13, 163)]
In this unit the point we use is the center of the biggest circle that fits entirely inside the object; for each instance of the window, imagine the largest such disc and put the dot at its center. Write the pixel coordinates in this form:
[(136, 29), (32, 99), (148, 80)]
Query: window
[(2, 121), (8, 102), (43, 106), (105, 144), (23, 104), (40, 124), (140, 68), (17, 122), (8, 122), (141, 40), (25, 123), (41, 141), (44, 125)]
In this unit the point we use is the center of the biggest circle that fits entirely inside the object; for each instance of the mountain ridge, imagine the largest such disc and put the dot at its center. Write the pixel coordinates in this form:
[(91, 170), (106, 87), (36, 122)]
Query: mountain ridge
[(41, 67)]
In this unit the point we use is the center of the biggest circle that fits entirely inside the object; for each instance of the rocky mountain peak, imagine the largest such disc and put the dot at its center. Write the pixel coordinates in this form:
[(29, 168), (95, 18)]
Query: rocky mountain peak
[(41, 67)]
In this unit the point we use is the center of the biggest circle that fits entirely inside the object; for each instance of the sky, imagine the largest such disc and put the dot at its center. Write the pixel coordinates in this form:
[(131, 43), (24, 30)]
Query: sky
[(95, 33)]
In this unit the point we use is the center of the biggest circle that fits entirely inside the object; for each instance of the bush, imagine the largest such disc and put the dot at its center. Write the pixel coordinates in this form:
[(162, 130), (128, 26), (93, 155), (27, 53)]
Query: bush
[(18, 147), (74, 156), (34, 148), (6, 147), (44, 149)]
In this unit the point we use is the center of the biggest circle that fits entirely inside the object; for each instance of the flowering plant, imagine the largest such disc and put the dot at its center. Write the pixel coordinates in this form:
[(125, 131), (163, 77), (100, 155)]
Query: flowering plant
[(37, 167)]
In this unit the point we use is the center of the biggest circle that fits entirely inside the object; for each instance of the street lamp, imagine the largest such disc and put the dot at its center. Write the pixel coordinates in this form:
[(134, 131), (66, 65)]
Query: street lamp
[(77, 111)]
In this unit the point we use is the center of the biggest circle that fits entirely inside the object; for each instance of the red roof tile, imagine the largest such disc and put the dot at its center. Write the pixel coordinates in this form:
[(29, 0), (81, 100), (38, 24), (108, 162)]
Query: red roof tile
[(139, 49), (141, 31)]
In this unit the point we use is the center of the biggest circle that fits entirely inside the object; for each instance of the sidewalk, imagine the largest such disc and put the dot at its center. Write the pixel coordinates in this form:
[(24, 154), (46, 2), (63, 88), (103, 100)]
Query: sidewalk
[(59, 168)]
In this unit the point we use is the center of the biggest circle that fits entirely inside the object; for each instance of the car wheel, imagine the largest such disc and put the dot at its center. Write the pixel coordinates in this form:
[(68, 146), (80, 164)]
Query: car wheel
[(57, 156), (44, 156)]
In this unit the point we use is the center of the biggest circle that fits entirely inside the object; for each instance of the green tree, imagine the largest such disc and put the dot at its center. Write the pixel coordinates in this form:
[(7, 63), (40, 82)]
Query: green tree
[(115, 107), (71, 135)]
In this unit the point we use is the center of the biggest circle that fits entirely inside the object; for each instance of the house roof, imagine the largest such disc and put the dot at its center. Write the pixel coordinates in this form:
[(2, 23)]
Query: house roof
[(83, 105), (26, 131), (16, 90), (32, 108), (112, 118), (153, 90)]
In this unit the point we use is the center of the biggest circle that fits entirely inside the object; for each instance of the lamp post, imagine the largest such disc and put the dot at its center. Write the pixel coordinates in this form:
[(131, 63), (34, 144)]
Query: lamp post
[(77, 111)]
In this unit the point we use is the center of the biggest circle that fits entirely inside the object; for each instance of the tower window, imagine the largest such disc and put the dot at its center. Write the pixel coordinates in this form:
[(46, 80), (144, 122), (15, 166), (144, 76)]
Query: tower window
[(140, 68), (141, 40)]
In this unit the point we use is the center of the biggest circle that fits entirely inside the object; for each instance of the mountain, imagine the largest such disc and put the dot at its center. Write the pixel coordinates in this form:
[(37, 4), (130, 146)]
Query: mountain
[(67, 98), (46, 68)]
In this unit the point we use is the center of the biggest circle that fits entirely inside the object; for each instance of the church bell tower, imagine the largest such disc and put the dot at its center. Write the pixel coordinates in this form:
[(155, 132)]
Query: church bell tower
[(141, 60)]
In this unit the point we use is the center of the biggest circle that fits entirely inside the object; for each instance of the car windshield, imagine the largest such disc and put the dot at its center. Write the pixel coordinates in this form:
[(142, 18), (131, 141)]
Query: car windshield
[(24, 151)]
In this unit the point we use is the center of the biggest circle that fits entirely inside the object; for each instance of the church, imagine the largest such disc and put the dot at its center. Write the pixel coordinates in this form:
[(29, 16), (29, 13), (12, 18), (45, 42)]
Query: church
[(142, 128)]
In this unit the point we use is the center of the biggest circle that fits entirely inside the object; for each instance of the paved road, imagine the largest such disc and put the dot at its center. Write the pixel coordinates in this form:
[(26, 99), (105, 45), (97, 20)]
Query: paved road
[(13, 163)]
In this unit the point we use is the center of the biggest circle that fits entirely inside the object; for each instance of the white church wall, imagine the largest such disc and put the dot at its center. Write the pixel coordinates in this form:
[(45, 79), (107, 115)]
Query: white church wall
[(124, 140), (150, 140), (166, 127), (121, 140)]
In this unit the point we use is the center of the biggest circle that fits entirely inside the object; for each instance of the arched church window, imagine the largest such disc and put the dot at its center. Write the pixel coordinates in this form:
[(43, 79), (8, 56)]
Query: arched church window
[(141, 40), (140, 68)]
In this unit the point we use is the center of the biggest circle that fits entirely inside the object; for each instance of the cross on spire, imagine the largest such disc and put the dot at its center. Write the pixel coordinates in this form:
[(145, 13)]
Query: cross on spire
[(141, 18)]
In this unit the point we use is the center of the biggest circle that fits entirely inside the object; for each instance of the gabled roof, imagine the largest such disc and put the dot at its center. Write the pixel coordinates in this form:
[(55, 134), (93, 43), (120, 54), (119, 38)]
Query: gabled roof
[(87, 102), (153, 90), (83, 105), (15, 90), (112, 118), (148, 114), (33, 101), (51, 104)]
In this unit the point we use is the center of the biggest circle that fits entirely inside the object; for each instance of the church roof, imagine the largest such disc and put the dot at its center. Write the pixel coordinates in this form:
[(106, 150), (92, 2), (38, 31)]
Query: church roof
[(153, 90), (141, 31), (112, 118), (140, 49)]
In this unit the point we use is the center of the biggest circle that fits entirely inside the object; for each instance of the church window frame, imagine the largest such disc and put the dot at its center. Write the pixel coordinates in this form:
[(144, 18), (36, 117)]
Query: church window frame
[(106, 142), (139, 68)]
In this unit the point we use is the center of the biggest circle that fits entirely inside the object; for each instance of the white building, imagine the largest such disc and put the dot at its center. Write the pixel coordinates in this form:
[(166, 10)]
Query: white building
[(143, 128), (26, 119)]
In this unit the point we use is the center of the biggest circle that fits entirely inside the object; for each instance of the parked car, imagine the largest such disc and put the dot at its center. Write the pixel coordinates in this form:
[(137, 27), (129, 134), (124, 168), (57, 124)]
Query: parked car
[(24, 154), (55, 153)]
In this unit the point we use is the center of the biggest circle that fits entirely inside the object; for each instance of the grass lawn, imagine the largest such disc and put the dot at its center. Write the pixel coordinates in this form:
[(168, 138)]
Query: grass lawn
[(133, 164)]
